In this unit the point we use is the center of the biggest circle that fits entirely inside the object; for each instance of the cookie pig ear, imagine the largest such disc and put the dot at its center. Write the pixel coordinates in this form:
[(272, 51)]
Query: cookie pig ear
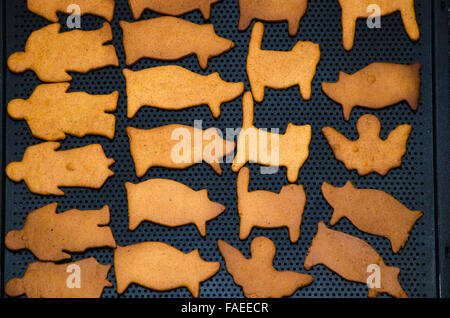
[(18, 108), (15, 287), (18, 62)]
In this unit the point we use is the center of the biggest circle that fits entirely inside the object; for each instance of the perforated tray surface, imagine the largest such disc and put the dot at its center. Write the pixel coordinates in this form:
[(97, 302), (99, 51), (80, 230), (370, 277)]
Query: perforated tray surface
[(412, 183)]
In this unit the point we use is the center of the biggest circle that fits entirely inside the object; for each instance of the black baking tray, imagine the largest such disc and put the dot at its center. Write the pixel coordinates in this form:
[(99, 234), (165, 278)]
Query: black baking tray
[(421, 183)]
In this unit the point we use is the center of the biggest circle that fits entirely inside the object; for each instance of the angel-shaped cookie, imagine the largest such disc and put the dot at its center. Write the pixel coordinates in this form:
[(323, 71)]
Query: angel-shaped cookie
[(51, 112), (49, 8), (369, 153), (82, 279), (45, 170), (49, 235), (51, 54), (257, 276)]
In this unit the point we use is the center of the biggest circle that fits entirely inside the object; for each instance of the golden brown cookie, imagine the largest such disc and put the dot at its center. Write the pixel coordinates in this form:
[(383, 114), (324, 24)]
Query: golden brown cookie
[(289, 150), (352, 259), (354, 9), (280, 69), (49, 8), (177, 147), (44, 170), (257, 276), (171, 7), (269, 210), (170, 203), (369, 153), (51, 112), (51, 54), (161, 267), (170, 39), (272, 10), (174, 87), (372, 211), (376, 86), (82, 279), (49, 235)]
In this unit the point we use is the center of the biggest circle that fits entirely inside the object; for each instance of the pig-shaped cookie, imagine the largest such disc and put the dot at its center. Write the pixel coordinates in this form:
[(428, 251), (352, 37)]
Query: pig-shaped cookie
[(272, 10), (44, 169), (354, 260), (170, 203), (49, 235), (354, 9), (269, 210), (169, 39), (257, 276), (372, 211), (174, 87), (280, 70), (177, 147), (82, 279), (51, 54), (376, 86), (161, 267), (171, 7), (49, 8), (369, 153), (271, 149), (51, 112)]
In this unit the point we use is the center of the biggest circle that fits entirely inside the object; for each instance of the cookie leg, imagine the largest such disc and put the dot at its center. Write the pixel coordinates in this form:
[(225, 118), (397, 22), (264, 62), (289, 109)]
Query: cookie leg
[(257, 91), (244, 21), (348, 30), (305, 88), (293, 26)]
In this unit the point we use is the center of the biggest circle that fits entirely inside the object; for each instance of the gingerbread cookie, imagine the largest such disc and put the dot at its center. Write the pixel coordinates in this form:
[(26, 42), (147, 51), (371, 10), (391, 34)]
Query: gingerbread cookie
[(174, 87), (289, 150), (171, 7), (177, 147), (257, 276), (376, 86), (48, 235), (354, 9), (272, 10), (369, 153), (269, 210), (49, 8), (280, 70), (51, 54), (44, 170), (51, 112), (82, 279), (170, 39), (372, 211), (352, 259), (170, 203), (161, 267)]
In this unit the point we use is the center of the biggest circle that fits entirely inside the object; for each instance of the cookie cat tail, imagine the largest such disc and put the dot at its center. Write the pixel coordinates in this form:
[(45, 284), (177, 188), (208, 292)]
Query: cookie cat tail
[(15, 287), (256, 38), (243, 180), (247, 110)]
